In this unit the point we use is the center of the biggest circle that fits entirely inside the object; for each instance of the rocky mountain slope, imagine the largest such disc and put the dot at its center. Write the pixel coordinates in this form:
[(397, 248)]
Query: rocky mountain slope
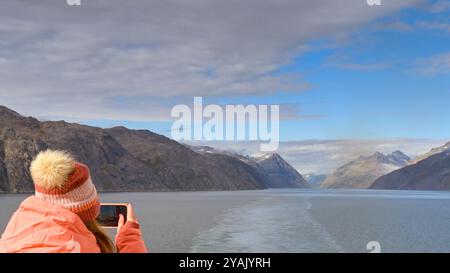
[(361, 173), (120, 159), (273, 169), (280, 173), (112, 166), (430, 173), (184, 169)]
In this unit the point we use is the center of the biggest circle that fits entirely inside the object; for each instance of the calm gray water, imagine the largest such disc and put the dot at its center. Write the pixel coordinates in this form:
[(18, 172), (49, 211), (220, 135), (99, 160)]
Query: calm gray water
[(285, 220)]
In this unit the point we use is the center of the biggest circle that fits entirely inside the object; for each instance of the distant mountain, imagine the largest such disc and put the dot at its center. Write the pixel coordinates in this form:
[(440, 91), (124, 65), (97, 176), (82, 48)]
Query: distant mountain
[(315, 180), (274, 170), (280, 173), (181, 168), (120, 159), (430, 173), (361, 173)]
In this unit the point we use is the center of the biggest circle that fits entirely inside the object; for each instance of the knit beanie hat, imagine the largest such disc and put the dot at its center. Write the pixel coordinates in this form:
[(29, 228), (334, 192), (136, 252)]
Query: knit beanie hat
[(59, 179)]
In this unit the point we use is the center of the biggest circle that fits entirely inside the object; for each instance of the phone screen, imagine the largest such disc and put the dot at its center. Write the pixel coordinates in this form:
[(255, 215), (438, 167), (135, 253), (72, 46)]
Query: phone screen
[(109, 214)]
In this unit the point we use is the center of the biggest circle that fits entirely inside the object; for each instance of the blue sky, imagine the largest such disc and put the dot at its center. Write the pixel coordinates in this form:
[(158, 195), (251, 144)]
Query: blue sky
[(338, 68), (373, 83)]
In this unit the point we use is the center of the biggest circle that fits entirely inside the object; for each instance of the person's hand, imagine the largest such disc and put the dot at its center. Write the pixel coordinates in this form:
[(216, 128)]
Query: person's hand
[(131, 217)]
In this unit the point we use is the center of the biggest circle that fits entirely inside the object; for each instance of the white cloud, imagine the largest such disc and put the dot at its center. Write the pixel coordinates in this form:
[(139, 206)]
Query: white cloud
[(359, 66), (394, 25), (437, 64), (324, 156), (77, 62), (434, 26)]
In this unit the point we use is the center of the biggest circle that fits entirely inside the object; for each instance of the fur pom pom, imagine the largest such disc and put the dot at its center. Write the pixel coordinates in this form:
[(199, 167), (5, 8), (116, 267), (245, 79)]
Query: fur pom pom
[(51, 169)]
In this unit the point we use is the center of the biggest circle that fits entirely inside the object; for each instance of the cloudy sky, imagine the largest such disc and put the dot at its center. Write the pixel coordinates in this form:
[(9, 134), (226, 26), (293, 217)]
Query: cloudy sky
[(325, 156), (340, 69)]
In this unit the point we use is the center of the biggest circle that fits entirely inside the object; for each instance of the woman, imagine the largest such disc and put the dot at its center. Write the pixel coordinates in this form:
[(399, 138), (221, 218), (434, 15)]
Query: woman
[(60, 217)]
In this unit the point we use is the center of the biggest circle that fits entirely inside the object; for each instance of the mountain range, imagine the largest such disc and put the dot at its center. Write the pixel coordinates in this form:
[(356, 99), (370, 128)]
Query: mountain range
[(429, 172), (277, 172), (280, 173), (361, 173), (121, 159)]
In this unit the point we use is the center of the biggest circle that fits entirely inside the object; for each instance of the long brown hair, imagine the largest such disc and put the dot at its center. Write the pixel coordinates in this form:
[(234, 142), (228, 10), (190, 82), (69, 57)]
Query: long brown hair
[(104, 242)]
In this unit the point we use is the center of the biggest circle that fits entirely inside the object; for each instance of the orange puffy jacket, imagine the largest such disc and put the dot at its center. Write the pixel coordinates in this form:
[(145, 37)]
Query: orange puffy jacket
[(48, 228)]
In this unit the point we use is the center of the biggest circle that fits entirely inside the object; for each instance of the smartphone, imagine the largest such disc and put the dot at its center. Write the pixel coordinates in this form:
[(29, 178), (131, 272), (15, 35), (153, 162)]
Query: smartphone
[(109, 214)]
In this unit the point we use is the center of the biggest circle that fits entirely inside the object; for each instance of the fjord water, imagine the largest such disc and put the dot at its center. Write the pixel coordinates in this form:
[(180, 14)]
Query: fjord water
[(286, 220)]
